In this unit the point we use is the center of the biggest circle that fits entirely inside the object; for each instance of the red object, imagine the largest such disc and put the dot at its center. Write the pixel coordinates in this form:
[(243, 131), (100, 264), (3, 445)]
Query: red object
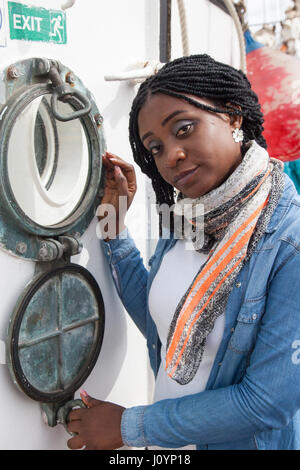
[(275, 78)]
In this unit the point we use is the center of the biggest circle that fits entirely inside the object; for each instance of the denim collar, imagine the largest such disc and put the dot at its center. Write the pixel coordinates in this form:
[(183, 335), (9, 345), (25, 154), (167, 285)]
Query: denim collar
[(283, 205)]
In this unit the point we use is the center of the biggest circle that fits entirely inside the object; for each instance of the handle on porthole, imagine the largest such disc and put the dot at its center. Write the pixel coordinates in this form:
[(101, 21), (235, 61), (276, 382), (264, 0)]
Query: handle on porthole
[(63, 412), (59, 93)]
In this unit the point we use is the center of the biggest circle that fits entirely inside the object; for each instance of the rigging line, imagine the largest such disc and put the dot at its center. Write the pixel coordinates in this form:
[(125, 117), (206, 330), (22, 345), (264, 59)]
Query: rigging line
[(183, 27), (233, 13)]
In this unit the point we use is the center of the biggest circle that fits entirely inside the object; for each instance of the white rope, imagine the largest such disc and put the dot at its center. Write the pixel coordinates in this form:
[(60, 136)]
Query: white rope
[(183, 27), (230, 7), (136, 73)]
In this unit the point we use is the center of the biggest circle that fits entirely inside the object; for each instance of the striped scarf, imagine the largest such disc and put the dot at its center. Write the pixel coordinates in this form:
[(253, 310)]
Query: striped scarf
[(236, 215)]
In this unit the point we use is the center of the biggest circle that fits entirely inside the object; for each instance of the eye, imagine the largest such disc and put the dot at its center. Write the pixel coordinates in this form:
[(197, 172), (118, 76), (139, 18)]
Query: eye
[(185, 129), (154, 149)]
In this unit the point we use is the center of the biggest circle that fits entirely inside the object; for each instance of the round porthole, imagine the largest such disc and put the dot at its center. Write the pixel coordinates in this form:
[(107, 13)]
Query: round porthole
[(51, 177), (55, 333)]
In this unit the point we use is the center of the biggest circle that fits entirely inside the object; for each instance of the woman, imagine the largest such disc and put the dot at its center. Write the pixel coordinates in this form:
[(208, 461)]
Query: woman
[(220, 305)]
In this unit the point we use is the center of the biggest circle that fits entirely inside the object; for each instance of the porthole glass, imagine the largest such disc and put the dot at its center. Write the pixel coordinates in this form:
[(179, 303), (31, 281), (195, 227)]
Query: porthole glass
[(56, 333), (48, 162)]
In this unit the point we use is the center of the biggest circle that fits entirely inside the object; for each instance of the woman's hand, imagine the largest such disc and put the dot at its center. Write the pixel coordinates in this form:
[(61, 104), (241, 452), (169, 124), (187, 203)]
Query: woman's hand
[(120, 181), (98, 427)]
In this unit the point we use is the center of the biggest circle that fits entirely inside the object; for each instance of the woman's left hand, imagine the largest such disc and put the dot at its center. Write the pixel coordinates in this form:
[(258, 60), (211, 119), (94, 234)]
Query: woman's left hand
[(98, 427)]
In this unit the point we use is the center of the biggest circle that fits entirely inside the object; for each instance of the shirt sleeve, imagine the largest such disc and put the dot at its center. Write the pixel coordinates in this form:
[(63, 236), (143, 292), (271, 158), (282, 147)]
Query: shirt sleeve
[(129, 275), (267, 397)]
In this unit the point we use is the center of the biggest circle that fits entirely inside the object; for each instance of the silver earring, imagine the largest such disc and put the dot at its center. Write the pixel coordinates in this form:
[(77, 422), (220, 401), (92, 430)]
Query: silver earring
[(238, 135)]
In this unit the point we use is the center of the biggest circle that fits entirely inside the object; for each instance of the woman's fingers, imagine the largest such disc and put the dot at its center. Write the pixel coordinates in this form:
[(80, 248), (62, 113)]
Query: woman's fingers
[(115, 160), (124, 169), (121, 181), (75, 443)]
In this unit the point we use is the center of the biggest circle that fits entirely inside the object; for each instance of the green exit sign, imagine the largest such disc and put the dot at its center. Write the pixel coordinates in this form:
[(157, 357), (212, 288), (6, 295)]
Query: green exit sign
[(37, 24)]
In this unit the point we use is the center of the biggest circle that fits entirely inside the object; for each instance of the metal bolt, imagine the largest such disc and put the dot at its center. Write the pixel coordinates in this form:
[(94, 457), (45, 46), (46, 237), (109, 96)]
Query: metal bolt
[(41, 66), (12, 73), (43, 252), (21, 248), (98, 119), (70, 78)]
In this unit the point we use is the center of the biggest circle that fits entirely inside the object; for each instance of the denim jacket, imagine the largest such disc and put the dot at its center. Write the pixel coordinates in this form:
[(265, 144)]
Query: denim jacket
[(252, 397)]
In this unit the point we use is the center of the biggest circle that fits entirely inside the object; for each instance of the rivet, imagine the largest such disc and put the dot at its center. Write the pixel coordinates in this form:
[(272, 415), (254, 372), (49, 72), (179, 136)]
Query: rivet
[(70, 78), (12, 73), (43, 252), (98, 119), (238, 284), (21, 248)]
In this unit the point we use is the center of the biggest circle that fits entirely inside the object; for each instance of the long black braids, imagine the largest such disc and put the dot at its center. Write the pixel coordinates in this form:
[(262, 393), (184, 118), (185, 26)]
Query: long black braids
[(201, 76)]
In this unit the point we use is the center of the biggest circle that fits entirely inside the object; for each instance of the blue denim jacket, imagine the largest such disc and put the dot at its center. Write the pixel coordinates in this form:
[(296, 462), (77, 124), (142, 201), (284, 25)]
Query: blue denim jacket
[(252, 397)]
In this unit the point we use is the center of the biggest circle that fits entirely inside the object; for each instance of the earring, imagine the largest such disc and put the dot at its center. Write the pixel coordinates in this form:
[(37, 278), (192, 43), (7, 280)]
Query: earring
[(238, 135)]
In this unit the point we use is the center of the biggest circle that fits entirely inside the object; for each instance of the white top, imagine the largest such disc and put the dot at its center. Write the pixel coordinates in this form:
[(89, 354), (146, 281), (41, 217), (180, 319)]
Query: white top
[(177, 270)]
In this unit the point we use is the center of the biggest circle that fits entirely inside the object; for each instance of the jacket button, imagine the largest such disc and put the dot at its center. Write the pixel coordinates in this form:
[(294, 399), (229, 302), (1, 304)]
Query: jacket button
[(254, 316), (153, 346), (238, 284)]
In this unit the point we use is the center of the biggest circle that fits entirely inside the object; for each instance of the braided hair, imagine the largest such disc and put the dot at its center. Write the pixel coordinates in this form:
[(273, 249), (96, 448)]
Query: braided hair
[(201, 76)]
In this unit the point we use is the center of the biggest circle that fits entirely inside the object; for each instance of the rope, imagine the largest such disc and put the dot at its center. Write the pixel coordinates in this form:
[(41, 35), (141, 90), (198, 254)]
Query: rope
[(183, 27), (233, 13)]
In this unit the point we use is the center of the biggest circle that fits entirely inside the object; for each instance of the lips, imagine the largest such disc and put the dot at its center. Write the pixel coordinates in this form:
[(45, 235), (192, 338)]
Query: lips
[(184, 176)]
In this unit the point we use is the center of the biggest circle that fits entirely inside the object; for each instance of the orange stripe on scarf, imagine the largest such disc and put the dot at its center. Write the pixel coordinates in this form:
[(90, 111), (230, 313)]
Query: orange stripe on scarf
[(199, 313), (258, 186)]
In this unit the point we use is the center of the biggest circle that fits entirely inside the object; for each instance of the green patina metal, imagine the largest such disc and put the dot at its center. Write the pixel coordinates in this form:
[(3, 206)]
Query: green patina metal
[(55, 336), (18, 233)]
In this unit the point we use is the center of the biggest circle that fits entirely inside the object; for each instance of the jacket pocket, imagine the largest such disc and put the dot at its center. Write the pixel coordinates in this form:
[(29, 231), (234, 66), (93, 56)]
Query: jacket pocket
[(244, 335)]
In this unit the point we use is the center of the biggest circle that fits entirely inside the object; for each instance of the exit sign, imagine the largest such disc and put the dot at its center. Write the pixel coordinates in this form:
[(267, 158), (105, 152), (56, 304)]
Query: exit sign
[(37, 24)]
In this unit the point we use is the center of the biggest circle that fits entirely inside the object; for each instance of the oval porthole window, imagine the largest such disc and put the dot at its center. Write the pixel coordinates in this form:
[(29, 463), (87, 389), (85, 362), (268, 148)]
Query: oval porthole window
[(48, 162)]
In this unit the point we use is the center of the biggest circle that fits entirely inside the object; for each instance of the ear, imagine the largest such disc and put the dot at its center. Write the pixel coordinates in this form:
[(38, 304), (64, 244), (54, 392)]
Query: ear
[(235, 119)]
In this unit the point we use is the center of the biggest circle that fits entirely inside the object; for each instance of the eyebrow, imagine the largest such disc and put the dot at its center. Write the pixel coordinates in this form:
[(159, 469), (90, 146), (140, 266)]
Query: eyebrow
[(164, 122)]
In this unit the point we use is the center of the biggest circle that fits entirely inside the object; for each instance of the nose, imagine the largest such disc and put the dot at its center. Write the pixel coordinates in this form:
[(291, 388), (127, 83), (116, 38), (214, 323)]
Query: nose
[(174, 155)]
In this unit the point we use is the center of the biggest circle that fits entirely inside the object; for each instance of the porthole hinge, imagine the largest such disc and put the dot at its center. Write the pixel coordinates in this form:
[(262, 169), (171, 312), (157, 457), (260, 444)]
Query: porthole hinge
[(65, 246)]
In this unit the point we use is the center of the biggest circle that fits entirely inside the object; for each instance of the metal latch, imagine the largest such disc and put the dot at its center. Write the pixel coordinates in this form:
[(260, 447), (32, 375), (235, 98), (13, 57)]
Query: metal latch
[(61, 91), (64, 246)]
